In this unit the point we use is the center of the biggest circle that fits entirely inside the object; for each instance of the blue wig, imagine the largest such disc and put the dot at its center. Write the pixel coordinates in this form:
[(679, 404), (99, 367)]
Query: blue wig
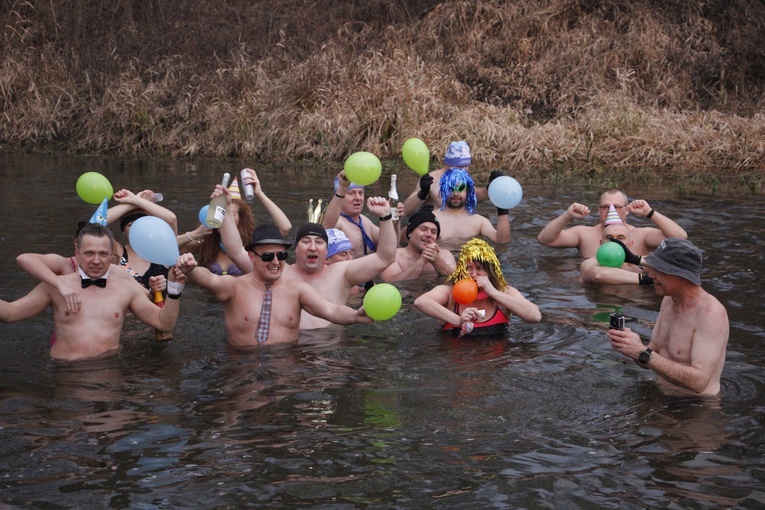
[(454, 178)]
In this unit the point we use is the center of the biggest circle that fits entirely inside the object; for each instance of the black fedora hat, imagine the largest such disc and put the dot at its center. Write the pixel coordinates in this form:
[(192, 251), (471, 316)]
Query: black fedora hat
[(266, 234)]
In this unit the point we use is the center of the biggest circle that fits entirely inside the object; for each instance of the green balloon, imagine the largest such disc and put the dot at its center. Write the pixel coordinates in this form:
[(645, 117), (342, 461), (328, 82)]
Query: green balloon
[(93, 188), (416, 155), (382, 301), (610, 254), (363, 168)]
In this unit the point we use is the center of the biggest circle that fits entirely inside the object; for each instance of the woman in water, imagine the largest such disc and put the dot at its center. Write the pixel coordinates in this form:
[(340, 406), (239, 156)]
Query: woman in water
[(496, 302), (212, 252)]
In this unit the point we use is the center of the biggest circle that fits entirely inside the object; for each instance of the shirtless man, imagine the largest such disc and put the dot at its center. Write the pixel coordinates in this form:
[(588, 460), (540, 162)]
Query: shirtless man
[(95, 329), (422, 254), (344, 213), (688, 343), (243, 297), (587, 238), (336, 281), (457, 214), (333, 281), (457, 156), (630, 271)]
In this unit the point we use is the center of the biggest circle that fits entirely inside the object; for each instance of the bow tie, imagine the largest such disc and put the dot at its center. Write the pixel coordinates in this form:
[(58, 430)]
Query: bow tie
[(98, 282)]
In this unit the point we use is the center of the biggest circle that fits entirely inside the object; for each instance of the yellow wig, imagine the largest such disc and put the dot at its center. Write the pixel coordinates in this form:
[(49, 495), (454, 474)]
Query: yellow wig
[(479, 250)]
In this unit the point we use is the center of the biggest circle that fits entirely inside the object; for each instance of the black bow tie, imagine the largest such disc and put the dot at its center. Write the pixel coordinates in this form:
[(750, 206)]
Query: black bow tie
[(98, 282)]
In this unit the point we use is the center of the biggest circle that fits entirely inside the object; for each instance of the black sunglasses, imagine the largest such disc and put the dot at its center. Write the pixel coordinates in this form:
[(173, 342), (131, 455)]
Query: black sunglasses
[(269, 255)]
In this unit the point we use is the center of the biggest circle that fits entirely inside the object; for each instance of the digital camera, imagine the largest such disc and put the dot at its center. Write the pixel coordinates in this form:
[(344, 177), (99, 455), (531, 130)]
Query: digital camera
[(616, 321)]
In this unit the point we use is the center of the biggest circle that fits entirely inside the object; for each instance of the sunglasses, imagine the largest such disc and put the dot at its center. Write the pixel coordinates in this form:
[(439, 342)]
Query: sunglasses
[(459, 187), (269, 255)]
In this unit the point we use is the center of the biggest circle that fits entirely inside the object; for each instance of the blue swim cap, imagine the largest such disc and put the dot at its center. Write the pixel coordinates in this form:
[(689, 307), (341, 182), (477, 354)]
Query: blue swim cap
[(338, 242), (458, 154)]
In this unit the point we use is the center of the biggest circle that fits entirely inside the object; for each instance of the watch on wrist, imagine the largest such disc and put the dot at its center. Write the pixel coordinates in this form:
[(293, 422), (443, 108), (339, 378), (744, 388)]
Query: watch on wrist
[(645, 356)]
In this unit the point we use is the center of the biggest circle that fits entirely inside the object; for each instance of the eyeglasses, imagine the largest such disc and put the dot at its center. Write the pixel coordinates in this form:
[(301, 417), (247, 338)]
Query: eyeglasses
[(459, 187), (604, 207), (269, 255)]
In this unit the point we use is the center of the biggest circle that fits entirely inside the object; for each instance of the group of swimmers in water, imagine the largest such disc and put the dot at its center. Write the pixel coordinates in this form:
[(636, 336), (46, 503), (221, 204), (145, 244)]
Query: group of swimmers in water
[(268, 301)]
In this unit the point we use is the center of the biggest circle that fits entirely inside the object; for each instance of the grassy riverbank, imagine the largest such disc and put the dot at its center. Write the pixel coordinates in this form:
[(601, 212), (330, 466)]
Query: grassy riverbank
[(547, 89)]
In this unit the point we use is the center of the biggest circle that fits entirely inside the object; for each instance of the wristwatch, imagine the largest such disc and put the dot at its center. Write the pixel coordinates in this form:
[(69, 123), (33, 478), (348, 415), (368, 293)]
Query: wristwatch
[(645, 356)]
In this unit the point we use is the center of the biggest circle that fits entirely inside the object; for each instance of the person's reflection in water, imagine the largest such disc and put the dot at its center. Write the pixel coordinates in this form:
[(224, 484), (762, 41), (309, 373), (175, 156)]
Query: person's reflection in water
[(270, 388), (680, 437), (91, 397)]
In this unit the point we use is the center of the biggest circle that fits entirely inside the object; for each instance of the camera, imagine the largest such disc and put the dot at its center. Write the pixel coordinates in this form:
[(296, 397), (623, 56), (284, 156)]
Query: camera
[(616, 321)]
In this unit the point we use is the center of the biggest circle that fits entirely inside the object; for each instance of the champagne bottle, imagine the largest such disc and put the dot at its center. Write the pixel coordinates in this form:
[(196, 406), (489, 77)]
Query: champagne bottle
[(161, 336), (217, 210), (393, 197)]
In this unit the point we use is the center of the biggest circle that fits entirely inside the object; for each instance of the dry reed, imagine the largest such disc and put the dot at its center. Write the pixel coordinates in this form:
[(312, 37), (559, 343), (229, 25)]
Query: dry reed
[(566, 87)]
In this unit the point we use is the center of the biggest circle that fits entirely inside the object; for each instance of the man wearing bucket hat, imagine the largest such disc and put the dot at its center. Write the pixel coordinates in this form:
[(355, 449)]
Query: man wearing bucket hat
[(586, 238), (422, 254), (689, 339), (263, 306)]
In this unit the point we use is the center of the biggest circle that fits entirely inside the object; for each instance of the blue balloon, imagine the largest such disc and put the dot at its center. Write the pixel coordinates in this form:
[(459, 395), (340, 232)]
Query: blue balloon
[(154, 240), (505, 192), (203, 216)]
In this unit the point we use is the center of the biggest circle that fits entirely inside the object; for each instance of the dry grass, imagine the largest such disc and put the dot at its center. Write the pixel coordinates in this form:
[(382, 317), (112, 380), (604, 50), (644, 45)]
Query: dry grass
[(563, 88)]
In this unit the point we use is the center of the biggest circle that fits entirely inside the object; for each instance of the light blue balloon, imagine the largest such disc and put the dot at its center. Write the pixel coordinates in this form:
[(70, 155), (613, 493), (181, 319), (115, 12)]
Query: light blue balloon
[(203, 216), (154, 240), (505, 192)]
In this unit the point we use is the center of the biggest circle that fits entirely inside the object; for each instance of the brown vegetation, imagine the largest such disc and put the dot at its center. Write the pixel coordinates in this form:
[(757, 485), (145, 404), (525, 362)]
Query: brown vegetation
[(569, 86)]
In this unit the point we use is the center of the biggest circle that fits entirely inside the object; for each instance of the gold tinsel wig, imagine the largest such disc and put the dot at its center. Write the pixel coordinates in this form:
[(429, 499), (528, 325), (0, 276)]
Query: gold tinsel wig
[(478, 250)]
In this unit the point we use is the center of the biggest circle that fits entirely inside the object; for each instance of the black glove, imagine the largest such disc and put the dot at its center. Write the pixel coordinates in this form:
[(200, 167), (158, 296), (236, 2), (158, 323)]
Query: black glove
[(494, 174), (425, 182), (644, 279), (368, 285), (629, 257)]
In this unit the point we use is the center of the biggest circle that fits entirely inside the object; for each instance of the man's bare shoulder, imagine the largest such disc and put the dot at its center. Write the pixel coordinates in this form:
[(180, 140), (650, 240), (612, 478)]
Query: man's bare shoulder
[(711, 307)]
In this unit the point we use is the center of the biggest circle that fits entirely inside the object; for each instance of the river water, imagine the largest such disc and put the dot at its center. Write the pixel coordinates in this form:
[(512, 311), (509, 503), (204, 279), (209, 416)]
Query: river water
[(389, 415)]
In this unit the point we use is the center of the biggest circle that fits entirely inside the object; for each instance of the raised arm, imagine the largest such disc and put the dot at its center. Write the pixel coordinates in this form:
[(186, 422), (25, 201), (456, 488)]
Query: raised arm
[(365, 268), (554, 233), (125, 196), (665, 227), (511, 300), (190, 241), (280, 219), (229, 235), (499, 235), (419, 196), (335, 206), (221, 287)]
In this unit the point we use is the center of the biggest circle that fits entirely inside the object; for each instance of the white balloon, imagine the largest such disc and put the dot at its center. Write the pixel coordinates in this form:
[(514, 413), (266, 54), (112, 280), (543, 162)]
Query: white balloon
[(505, 192)]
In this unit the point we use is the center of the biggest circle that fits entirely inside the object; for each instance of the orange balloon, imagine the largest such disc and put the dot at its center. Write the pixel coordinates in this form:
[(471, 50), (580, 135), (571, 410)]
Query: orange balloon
[(465, 291)]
